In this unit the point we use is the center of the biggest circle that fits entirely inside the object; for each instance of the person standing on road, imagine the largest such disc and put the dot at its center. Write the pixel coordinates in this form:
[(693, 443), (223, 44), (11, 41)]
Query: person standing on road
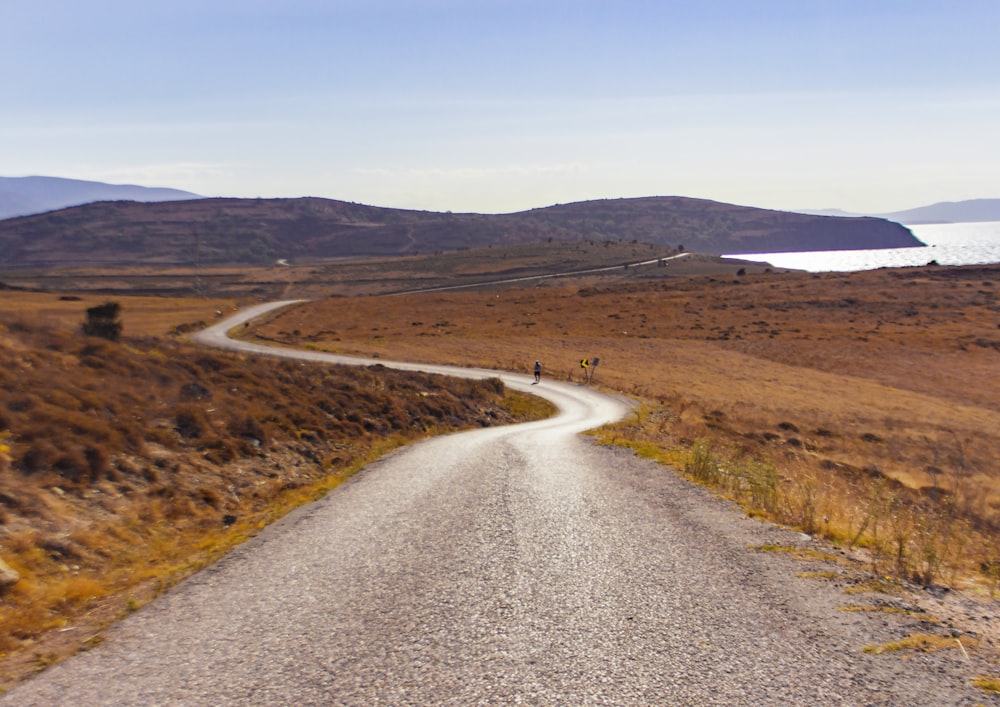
[(538, 371)]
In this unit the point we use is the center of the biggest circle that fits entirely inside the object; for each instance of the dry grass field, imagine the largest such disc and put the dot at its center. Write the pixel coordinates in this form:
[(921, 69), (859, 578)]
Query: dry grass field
[(862, 406), (141, 316), (369, 276)]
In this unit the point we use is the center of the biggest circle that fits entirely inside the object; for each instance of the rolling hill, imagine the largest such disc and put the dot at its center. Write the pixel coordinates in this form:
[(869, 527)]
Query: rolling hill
[(257, 231)]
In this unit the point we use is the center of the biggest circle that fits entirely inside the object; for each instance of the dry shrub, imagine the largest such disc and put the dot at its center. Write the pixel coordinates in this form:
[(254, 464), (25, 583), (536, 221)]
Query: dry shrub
[(76, 592), (219, 450), (190, 421), (21, 618), (210, 496), (755, 483), (245, 425), (37, 456), (89, 540), (71, 464)]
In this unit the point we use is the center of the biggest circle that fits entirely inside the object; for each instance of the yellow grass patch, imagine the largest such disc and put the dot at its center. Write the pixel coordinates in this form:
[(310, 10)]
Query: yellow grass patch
[(922, 643), (987, 683), (892, 610), (141, 316)]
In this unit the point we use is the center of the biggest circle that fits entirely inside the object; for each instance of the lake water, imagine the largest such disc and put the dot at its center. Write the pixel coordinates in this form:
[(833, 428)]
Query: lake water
[(947, 243)]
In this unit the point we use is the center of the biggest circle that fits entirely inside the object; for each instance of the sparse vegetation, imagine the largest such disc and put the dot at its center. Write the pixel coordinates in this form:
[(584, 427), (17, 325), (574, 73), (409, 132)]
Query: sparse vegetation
[(922, 643), (854, 406), (987, 683), (751, 482), (124, 466), (857, 407)]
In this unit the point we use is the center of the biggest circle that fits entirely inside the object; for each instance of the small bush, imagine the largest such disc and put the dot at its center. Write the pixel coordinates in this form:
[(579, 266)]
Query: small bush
[(97, 461), (702, 463), (78, 591), (190, 421), (247, 427), (761, 480), (38, 456), (103, 321), (72, 464), (210, 496)]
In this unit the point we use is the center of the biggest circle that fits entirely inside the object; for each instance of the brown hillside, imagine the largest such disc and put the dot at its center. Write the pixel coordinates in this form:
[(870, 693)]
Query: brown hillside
[(125, 466), (206, 232)]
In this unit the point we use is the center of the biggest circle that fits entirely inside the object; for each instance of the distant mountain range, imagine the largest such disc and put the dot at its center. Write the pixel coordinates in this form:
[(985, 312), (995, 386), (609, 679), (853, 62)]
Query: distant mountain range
[(257, 231), (22, 196), (943, 212)]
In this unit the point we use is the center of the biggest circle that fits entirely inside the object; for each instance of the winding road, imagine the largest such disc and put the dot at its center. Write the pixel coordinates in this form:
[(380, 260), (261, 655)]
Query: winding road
[(512, 565)]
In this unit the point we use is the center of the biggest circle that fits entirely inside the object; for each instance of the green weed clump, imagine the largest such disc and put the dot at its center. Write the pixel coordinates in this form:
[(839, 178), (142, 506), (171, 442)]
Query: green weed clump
[(913, 537), (752, 482)]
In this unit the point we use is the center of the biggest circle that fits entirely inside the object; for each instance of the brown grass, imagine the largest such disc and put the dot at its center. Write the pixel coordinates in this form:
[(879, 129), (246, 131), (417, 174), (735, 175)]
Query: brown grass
[(141, 316), (872, 396), (349, 277), (922, 643), (862, 407), (125, 466), (987, 683)]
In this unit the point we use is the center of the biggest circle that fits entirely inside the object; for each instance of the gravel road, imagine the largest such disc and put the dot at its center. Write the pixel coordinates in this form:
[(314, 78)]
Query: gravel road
[(515, 565)]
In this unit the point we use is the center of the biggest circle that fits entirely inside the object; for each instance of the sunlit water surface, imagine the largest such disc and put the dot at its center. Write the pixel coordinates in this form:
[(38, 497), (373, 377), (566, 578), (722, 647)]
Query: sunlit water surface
[(946, 243)]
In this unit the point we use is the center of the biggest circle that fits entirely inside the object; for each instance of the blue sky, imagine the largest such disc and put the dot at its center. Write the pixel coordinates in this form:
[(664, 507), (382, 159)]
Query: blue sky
[(503, 105)]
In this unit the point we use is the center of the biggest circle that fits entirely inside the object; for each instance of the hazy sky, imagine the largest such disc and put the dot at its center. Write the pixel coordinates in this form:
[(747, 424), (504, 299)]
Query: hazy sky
[(503, 105)]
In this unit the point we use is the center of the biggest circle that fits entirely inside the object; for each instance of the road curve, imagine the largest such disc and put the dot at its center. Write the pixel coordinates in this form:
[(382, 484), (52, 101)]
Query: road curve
[(518, 565), (580, 407)]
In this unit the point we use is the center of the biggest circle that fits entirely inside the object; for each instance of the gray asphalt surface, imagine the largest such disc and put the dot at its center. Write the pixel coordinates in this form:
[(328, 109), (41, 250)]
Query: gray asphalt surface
[(516, 565)]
